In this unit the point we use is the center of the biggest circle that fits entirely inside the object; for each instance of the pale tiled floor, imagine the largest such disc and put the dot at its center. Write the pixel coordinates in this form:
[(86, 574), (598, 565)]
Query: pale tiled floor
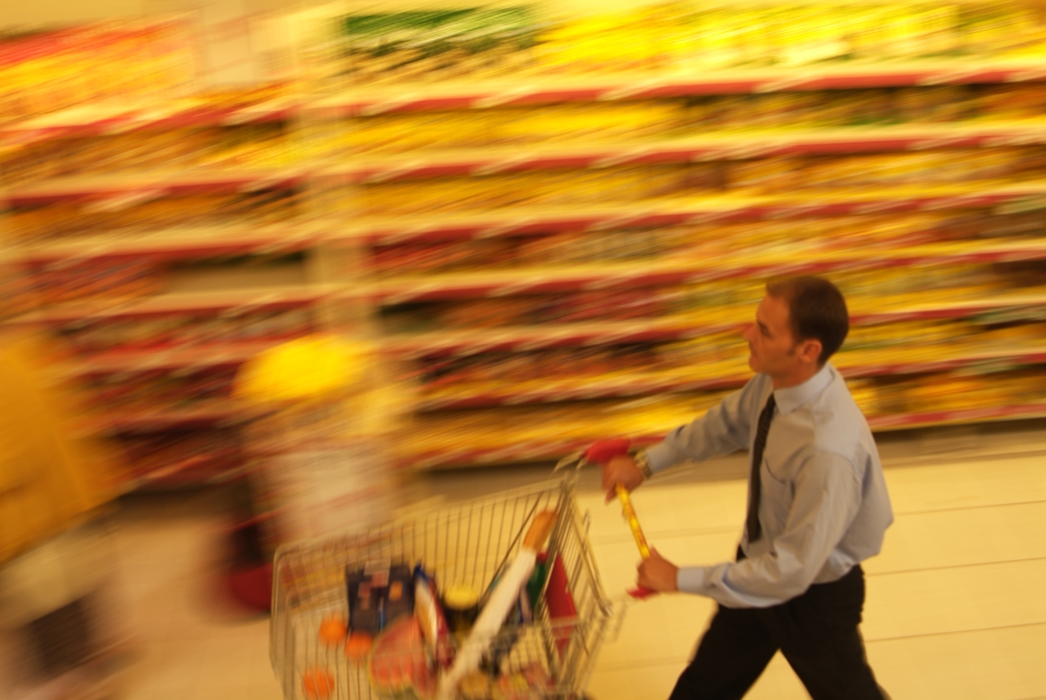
[(955, 605)]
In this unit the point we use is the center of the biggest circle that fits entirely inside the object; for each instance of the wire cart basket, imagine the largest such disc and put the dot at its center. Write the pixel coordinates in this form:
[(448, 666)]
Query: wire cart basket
[(464, 543)]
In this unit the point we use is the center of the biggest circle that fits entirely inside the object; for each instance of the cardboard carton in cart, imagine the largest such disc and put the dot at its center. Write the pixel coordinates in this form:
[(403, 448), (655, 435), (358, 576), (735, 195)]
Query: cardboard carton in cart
[(543, 645)]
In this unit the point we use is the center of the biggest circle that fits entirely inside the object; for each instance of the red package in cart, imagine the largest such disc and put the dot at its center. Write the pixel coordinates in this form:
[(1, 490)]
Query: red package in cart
[(561, 606)]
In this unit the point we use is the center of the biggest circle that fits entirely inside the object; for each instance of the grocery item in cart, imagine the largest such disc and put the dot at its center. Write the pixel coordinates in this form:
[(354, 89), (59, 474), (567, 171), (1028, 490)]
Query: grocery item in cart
[(461, 604), (358, 645), (561, 606), (500, 602), (431, 618), (333, 630), (398, 667), (378, 595), (318, 683), (521, 615)]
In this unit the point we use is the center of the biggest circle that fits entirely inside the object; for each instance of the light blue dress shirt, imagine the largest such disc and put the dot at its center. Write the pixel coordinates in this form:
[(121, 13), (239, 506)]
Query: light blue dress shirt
[(824, 506)]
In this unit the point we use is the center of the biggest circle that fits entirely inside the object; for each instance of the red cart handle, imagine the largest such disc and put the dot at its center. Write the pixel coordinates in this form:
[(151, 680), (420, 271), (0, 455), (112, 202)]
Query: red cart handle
[(602, 451)]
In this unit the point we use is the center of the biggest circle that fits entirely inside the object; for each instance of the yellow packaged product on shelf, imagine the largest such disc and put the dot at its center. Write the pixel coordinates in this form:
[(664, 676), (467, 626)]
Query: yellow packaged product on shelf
[(999, 28), (710, 114), (594, 247), (660, 416), (851, 108), (866, 396), (902, 34), (689, 180), (396, 133), (687, 241), (609, 42), (857, 33), (546, 250), (1029, 337), (954, 391), (713, 303), (779, 111), (764, 175), (569, 122), (997, 164), (144, 150), (902, 169), (771, 111), (26, 163), (908, 333), (549, 188), (489, 313), (1027, 163), (49, 72), (709, 348), (916, 285), (746, 235), (423, 196), (1006, 102), (935, 104), (731, 37), (807, 34), (859, 232)]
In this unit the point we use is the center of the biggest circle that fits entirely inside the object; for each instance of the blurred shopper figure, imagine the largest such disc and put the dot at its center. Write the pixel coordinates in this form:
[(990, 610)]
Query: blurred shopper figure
[(817, 507), (56, 623)]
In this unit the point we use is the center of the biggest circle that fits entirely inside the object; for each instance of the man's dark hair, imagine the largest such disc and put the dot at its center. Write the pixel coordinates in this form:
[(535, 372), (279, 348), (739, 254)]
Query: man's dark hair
[(816, 310)]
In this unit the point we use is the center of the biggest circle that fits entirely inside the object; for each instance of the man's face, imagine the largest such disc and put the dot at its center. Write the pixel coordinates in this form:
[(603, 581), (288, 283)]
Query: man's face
[(772, 347)]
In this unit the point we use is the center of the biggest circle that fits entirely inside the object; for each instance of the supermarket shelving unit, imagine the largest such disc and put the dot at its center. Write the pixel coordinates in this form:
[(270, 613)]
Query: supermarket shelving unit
[(478, 436), (331, 239)]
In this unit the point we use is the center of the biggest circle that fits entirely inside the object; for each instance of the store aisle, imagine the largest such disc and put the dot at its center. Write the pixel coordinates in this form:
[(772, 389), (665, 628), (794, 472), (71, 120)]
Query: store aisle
[(954, 607)]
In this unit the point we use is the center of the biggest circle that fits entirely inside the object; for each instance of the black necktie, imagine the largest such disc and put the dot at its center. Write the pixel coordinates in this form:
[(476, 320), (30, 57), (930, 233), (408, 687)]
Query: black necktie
[(762, 430)]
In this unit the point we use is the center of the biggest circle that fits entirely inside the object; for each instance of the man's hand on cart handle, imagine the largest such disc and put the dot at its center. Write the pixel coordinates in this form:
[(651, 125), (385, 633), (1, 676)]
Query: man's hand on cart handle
[(657, 574), (620, 470)]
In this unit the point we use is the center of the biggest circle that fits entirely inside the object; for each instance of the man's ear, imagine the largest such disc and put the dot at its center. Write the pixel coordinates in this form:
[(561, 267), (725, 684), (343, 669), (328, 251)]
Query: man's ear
[(810, 350)]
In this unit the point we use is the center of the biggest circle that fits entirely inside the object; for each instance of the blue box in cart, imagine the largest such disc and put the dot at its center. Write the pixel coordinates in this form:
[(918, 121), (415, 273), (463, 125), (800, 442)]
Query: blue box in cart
[(378, 593)]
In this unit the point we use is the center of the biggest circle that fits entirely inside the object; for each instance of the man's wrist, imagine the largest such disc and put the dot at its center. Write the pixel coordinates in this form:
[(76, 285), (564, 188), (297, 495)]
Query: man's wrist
[(643, 463)]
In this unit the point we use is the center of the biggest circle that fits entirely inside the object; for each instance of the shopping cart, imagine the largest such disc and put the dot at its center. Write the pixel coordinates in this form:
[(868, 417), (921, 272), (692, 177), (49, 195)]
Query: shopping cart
[(462, 544)]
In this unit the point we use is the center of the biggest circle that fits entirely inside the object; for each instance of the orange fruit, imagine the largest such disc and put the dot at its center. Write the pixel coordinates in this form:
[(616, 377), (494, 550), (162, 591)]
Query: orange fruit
[(333, 630), (318, 683), (358, 645)]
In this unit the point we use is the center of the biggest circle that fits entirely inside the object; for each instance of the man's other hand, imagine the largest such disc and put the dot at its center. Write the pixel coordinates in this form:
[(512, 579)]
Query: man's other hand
[(657, 573)]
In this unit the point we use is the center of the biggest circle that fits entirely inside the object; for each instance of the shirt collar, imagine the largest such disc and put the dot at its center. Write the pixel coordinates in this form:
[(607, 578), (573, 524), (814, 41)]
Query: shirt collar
[(793, 397)]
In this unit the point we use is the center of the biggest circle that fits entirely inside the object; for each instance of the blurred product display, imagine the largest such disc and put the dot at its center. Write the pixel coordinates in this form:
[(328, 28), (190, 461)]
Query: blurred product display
[(559, 224), (78, 67)]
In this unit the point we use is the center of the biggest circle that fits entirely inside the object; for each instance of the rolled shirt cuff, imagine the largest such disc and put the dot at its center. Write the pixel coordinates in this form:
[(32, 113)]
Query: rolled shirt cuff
[(660, 457), (692, 579)]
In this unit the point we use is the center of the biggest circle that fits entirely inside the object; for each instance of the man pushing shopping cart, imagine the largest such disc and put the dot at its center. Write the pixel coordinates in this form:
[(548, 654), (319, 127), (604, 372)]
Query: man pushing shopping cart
[(817, 507)]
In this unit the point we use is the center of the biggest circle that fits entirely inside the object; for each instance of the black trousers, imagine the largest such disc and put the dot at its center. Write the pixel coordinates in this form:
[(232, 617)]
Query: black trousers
[(816, 632)]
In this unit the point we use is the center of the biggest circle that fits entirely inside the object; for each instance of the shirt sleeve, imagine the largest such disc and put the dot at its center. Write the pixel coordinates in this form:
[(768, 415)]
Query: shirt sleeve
[(827, 499), (725, 428)]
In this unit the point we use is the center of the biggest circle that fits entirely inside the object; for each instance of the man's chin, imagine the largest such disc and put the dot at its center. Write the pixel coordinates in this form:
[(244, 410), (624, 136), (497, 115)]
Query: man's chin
[(753, 364)]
